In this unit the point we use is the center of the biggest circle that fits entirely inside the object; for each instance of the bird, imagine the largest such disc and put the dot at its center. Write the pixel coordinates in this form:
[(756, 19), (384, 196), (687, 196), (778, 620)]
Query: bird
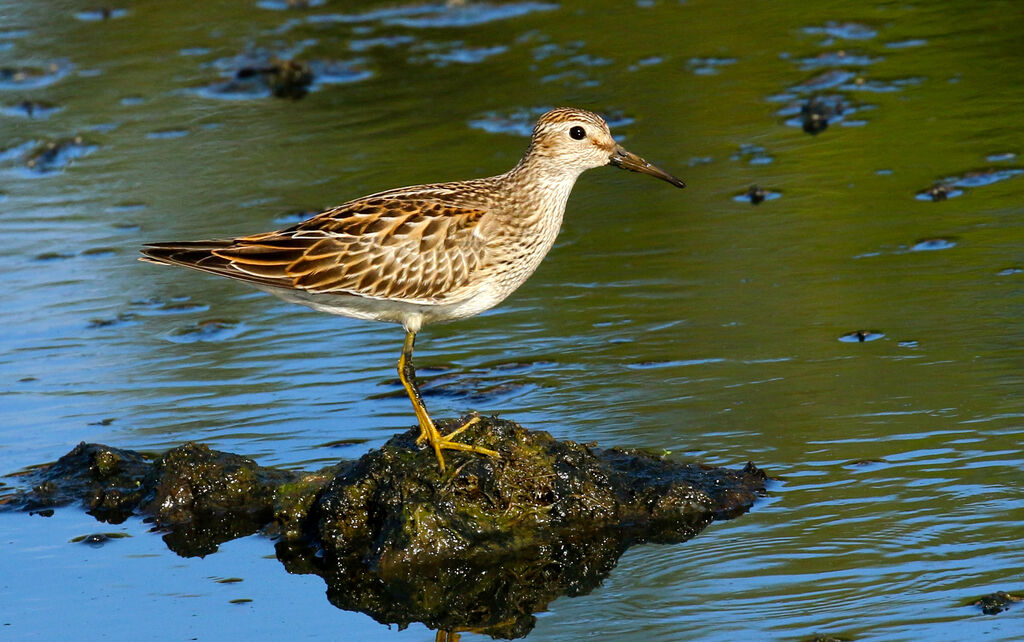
[(427, 253)]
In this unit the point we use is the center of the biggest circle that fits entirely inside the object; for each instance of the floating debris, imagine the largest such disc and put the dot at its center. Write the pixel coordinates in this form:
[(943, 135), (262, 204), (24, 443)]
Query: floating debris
[(909, 343), (997, 602), (1001, 157), (284, 78), (261, 73), (97, 540), (32, 77), (208, 330), (816, 112), (53, 256), (1010, 271), (756, 195), (120, 319), (56, 155), (861, 336), (954, 185), (938, 192)]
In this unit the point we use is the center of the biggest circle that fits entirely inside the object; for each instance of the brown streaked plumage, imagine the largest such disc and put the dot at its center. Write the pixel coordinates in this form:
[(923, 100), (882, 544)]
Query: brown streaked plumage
[(426, 253)]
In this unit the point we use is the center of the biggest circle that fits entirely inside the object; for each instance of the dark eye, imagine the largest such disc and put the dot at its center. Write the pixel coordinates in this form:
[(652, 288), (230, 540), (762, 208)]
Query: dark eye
[(578, 133)]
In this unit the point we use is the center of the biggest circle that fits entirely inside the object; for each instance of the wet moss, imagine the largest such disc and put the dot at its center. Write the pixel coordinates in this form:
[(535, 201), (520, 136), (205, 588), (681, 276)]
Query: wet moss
[(480, 547)]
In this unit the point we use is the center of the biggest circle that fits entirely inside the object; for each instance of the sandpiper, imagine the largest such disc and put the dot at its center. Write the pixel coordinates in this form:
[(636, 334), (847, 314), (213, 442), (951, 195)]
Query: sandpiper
[(427, 253)]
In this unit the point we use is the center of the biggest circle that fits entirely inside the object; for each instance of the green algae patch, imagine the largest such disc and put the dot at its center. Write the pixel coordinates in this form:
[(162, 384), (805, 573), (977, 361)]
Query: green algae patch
[(482, 546), (492, 540)]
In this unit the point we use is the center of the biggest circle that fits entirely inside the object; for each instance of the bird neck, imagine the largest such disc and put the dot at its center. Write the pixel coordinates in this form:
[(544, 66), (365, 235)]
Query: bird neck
[(544, 181)]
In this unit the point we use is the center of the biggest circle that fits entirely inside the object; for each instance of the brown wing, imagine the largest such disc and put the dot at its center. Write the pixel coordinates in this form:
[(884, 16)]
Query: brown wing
[(410, 249)]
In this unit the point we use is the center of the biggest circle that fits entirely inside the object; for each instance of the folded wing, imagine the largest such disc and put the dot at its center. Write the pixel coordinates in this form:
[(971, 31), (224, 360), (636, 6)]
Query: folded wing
[(407, 249)]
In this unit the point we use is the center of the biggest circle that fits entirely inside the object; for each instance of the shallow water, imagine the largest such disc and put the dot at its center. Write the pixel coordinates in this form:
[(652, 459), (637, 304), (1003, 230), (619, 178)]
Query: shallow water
[(691, 322)]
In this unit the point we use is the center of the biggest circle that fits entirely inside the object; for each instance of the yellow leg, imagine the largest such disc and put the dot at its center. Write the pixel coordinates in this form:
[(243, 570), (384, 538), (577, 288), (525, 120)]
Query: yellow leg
[(428, 431)]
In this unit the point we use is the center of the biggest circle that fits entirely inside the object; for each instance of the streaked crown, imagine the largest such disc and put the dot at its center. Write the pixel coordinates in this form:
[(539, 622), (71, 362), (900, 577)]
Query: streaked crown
[(576, 139)]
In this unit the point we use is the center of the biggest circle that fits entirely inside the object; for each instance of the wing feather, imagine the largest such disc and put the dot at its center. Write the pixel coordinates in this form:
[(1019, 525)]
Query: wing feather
[(405, 246)]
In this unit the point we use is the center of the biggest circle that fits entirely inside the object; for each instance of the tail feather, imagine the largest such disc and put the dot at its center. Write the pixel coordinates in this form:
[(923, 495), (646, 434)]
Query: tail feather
[(200, 255)]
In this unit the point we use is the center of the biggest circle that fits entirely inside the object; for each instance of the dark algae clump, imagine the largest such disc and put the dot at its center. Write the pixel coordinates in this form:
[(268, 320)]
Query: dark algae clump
[(481, 547)]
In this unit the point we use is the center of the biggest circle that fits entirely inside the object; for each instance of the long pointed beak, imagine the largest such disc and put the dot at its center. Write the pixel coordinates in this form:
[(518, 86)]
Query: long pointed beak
[(628, 160)]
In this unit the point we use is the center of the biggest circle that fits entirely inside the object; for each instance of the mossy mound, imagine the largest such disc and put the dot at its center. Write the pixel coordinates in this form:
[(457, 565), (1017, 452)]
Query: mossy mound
[(479, 547)]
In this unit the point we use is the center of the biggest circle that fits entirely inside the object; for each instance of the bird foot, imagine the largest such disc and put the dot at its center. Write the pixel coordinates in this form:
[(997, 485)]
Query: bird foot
[(430, 434)]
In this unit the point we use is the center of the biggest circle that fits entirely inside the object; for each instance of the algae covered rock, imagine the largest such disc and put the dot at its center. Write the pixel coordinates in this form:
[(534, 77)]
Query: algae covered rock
[(480, 547), (492, 541)]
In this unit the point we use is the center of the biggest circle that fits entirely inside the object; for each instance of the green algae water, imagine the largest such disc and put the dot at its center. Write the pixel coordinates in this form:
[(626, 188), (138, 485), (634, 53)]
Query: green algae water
[(858, 333)]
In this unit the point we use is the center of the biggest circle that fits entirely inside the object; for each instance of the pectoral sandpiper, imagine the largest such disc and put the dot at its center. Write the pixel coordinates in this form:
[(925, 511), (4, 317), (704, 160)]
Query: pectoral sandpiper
[(417, 255)]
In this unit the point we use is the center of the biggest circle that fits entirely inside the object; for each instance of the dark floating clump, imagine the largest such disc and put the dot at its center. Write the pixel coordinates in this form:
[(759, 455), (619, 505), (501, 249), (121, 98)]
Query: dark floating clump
[(260, 75), (955, 185), (53, 256), (815, 114), (121, 319), (284, 78), (208, 330), (96, 540), (756, 195), (861, 336), (483, 546), (995, 603), (56, 155), (32, 77), (938, 192)]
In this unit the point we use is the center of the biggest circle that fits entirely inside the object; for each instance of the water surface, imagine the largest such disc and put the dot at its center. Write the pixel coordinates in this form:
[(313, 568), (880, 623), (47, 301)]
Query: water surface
[(691, 322)]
